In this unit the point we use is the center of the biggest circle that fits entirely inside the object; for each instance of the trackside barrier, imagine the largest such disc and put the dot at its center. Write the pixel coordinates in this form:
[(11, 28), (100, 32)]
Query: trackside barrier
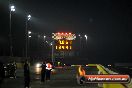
[(91, 64), (107, 85), (20, 65)]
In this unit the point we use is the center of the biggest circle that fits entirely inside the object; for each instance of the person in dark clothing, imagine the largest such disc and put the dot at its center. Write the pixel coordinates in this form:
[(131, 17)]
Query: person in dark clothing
[(13, 70), (26, 75), (43, 71), (2, 73), (9, 69), (48, 71)]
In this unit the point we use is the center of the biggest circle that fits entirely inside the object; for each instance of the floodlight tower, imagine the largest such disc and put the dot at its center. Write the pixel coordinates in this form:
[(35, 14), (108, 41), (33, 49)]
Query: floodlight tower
[(12, 9), (27, 33)]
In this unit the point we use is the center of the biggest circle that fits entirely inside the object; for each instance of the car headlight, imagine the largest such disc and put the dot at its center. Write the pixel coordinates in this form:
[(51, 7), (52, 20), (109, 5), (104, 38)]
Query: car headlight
[(38, 65), (109, 65)]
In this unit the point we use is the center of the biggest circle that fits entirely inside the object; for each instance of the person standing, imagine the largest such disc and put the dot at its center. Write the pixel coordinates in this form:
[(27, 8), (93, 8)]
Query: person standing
[(13, 70), (2, 73), (26, 75), (48, 71), (43, 71)]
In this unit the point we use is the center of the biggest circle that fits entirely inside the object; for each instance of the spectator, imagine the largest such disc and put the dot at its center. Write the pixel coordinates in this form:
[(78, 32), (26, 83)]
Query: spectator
[(43, 71), (26, 75), (2, 73), (48, 71)]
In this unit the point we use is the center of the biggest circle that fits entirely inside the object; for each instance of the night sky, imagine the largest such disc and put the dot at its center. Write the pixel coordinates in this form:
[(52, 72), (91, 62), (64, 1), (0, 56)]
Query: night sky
[(106, 22)]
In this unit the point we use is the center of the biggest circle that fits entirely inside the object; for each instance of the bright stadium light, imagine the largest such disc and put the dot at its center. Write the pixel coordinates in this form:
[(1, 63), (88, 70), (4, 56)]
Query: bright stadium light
[(12, 8), (29, 17), (44, 36), (29, 32)]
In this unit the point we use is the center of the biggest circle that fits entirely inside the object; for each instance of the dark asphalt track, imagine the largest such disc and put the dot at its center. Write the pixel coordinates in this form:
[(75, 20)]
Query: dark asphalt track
[(64, 78)]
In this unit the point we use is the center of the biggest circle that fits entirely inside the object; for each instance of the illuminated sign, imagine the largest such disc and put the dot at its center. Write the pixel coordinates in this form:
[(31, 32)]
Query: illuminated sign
[(63, 41), (60, 47), (67, 36), (63, 45)]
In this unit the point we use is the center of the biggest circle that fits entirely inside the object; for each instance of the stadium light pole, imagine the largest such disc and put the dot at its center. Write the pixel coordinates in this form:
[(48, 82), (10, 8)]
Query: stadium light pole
[(52, 56), (26, 33), (12, 9), (29, 36), (80, 39)]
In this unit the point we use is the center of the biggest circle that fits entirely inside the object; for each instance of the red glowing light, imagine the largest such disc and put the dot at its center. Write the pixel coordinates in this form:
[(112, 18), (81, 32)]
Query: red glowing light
[(61, 33)]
